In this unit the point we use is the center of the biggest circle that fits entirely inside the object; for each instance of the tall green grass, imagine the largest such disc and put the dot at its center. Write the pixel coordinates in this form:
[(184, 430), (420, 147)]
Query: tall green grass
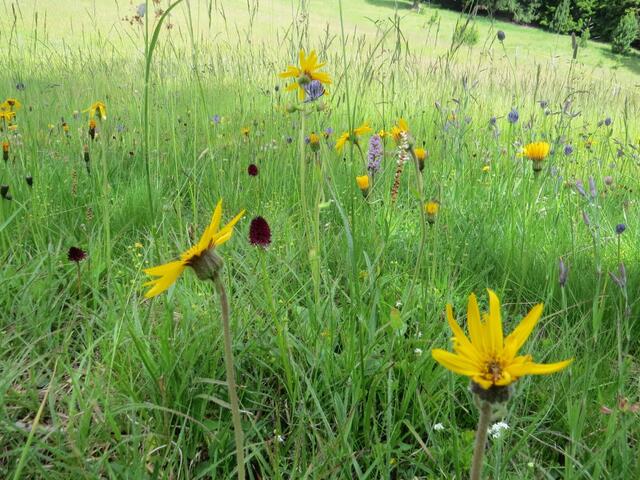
[(334, 385)]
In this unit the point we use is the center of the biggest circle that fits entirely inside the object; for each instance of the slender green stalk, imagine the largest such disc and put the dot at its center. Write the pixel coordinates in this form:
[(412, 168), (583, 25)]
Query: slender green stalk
[(231, 378), (481, 441)]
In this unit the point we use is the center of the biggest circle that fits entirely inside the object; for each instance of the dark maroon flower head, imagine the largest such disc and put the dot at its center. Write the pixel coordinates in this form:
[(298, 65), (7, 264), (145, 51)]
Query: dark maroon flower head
[(76, 254), (259, 232), (253, 170)]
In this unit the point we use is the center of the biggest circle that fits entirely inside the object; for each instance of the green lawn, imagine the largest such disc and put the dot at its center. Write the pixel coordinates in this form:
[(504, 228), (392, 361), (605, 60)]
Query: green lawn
[(334, 322)]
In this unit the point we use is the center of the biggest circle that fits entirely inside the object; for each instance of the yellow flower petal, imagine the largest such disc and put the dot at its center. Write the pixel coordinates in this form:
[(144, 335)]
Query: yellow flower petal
[(475, 326), (494, 328), (161, 270), (212, 229), (171, 273), (516, 339), (465, 346), (455, 363), (532, 368)]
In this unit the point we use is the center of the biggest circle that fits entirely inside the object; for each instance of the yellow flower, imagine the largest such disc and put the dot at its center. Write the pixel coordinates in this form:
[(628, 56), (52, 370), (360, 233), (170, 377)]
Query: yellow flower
[(11, 104), (486, 169), (432, 207), (382, 134), (401, 127), (487, 357), (314, 142), (352, 136), (97, 107), (305, 73), (363, 182), (421, 153), (245, 131), (6, 114), (212, 237), (536, 151)]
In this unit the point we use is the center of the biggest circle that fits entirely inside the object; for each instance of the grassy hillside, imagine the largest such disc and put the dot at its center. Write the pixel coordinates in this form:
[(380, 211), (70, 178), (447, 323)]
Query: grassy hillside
[(333, 323)]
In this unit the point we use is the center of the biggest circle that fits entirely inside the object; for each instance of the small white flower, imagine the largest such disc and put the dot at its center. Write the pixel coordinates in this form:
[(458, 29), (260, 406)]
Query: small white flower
[(399, 304), (496, 429), (418, 351), (531, 464), (280, 438), (419, 334), (438, 427)]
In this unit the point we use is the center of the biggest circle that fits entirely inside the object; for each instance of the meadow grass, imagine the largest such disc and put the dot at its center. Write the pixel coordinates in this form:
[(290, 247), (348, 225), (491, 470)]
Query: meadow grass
[(333, 323)]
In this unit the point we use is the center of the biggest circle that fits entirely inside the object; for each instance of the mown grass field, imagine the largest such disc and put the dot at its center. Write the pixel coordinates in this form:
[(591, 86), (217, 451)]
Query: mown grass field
[(334, 322)]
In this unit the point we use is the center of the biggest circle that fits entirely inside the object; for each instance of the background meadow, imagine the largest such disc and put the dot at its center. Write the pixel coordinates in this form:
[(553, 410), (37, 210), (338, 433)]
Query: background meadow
[(333, 323)]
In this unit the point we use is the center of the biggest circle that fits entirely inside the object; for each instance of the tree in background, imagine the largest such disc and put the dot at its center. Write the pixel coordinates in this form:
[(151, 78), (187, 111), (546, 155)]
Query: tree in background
[(562, 21), (625, 33)]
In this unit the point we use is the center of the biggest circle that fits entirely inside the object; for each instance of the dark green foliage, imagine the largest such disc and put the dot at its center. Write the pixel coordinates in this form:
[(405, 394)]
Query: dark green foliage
[(562, 21), (625, 33), (589, 19)]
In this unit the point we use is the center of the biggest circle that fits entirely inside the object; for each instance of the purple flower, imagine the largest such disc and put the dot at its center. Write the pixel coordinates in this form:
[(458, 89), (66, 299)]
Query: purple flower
[(328, 132), (513, 116), (608, 121), (586, 219), (592, 187), (568, 150), (493, 121), (580, 187), (620, 228), (374, 155), (620, 279), (563, 273), (216, 119), (313, 91)]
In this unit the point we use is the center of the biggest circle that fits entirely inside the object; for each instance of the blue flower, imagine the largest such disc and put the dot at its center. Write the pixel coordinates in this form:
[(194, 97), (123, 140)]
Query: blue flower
[(620, 228), (513, 116), (313, 91), (568, 150)]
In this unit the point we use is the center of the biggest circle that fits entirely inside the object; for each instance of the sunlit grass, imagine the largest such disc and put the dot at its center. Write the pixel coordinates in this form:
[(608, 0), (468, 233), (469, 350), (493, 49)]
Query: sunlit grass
[(334, 321)]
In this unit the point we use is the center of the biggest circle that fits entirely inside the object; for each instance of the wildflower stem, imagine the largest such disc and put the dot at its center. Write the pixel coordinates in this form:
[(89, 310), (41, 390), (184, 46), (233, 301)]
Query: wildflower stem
[(231, 378), (481, 441), (79, 279)]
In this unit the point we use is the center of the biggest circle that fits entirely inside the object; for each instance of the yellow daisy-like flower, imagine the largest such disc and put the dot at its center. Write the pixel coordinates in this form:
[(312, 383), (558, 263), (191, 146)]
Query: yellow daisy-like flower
[(11, 104), (305, 73), (421, 153), (352, 136), (245, 131), (486, 169), (363, 182), (401, 127), (212, 237), (486, 357), (432, 207), (536, 151), (382, 134), (97, 107), (7, 115)]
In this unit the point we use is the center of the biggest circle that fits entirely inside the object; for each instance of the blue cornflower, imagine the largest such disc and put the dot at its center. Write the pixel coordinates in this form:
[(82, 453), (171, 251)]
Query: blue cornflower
[(313, 91), (568, 150), (620, 228), (513, 116)]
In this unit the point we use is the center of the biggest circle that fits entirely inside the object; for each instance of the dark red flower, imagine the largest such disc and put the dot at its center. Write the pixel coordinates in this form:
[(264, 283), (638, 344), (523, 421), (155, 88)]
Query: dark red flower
[(76, 254), (259, 232), (253, 170)]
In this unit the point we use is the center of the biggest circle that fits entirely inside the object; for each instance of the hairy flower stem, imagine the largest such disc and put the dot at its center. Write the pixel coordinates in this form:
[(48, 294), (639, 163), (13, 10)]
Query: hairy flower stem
[(481, 441), (231, 378)]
